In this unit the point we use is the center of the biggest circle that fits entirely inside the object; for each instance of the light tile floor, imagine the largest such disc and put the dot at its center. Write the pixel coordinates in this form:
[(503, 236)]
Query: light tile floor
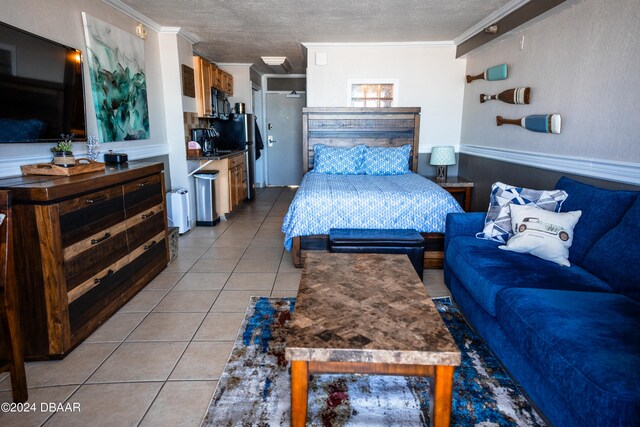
[(156, 362)]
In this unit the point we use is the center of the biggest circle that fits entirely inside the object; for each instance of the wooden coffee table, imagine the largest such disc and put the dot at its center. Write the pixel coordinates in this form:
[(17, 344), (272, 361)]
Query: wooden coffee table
[(369, 314)]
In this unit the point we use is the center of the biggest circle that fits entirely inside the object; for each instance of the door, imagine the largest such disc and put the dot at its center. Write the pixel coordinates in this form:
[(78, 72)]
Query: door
[(284, 138)]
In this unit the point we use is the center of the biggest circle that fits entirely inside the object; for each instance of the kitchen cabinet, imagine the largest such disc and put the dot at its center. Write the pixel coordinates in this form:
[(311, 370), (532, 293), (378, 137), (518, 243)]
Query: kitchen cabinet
[(237, 181), (227, 83), (231, 184), (223, 81), (208, 76), (85, 245), (205, 74)]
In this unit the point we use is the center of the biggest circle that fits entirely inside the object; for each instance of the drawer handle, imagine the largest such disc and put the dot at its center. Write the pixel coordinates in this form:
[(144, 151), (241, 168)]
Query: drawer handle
[(150, 214), (96, 199), (144, 184), (147, 247), (101, 239), (99, 280)]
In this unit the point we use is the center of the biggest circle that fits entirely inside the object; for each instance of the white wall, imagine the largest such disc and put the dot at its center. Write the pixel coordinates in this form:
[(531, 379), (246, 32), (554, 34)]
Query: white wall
[(171, 57), (241, 84), (428, 76), (582, 62), (61, 21)]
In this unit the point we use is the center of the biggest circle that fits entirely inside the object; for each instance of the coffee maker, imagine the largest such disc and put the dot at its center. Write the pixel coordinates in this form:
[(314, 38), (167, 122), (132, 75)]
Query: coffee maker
[(206, 137)]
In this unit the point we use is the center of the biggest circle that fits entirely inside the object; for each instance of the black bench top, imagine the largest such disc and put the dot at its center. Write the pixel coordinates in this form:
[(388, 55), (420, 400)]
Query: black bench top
[(375, 237)]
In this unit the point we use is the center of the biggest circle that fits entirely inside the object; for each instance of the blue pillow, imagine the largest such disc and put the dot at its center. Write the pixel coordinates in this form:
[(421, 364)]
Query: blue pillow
[(337, 160), (386, 161)]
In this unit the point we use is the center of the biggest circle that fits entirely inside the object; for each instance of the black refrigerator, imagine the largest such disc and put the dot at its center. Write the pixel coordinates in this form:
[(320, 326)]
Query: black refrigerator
[(237, 133)]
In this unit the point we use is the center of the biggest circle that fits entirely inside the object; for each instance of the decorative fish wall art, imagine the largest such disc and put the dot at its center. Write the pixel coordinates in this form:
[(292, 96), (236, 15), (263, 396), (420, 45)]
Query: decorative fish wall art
[(497, 72), (519, 95), (545, 123)]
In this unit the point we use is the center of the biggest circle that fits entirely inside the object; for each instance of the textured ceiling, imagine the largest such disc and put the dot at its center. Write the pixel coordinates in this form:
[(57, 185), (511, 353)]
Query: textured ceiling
[(242, 31)]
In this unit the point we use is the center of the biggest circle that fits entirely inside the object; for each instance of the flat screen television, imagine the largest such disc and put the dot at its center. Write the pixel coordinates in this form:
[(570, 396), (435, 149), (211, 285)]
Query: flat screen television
[(41, 88)]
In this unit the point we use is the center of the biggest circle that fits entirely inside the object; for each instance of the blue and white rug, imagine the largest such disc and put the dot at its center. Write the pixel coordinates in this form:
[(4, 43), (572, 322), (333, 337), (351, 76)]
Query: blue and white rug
[(254, 389)]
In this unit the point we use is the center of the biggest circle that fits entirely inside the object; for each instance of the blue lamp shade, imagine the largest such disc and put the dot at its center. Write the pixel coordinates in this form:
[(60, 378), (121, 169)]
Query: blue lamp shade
[(442, 157)]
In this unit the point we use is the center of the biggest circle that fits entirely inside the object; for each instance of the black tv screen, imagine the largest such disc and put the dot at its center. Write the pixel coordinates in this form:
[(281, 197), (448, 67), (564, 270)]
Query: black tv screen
[(41, 89)]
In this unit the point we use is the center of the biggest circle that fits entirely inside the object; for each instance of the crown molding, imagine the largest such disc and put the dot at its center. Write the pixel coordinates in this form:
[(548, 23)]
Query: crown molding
[(490, 20), (234, 64), (182, 32), (320, 45), (609, 170), (150, 23), (134, 14)]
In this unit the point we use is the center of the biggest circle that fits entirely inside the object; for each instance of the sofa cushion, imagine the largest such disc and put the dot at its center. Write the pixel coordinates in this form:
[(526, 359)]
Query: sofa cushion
[(615, 258), (588, 342), (601, 211), (485, 270)]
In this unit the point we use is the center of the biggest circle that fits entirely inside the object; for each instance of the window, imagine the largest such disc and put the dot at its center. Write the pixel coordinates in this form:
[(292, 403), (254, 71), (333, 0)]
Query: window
[(373, 93)]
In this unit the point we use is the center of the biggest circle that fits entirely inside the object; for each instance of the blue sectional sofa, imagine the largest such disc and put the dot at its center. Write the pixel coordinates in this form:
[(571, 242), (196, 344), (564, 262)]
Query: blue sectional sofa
[(569, 335)]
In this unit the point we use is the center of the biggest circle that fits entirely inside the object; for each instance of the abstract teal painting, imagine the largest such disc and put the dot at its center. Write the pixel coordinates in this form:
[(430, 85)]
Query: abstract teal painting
[(118, 81)]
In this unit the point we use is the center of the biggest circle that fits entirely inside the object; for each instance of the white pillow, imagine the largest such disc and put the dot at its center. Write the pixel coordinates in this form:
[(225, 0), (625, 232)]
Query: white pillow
[(545, 234)]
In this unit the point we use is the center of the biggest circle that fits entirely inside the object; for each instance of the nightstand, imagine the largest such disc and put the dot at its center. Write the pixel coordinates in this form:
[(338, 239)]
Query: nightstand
[(460, 188)]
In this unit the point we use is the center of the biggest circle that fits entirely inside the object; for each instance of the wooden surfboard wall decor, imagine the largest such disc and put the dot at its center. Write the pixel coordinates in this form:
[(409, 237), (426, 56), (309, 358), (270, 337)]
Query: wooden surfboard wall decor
[(519, 95), (497, 72), (545, 123)]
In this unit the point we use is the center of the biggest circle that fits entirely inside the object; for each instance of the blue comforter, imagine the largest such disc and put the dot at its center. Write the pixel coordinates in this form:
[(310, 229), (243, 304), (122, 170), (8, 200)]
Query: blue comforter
[(363, 201)]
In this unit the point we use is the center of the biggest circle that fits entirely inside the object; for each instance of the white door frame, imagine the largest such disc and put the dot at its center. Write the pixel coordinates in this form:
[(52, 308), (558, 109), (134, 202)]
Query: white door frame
[(265, 113), (258, 106)]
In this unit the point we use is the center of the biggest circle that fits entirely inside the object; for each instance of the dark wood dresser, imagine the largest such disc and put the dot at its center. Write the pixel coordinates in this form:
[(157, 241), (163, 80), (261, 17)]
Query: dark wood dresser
[(84, 246)]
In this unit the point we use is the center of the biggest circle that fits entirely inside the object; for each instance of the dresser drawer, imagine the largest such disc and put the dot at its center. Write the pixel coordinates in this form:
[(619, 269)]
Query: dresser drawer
[(82, 216), (98, 279), (141, 232), (142, 194), (87, 257), (114, 290)]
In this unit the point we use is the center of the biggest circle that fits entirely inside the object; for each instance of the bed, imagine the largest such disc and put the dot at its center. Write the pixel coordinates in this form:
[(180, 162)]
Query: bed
[(324, 201)]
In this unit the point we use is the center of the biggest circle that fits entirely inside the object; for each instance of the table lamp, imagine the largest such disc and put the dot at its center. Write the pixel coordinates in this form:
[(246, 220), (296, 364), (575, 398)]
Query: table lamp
[(442, 157)]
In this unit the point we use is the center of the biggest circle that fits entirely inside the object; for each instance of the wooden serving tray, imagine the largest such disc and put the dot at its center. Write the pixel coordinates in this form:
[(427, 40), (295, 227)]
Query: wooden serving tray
[(81, 166)]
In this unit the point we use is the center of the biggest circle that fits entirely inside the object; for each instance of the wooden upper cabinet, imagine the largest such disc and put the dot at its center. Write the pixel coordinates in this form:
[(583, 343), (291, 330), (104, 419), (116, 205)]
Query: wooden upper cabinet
[(223, 82), (229, 85), (208, 76), (204, 77)]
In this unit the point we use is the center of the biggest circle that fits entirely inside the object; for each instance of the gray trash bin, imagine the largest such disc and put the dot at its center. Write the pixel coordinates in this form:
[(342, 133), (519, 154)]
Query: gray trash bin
[(206, 213)]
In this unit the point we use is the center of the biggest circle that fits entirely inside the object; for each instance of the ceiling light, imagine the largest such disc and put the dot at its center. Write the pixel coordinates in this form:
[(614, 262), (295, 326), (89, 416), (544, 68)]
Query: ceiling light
[(278, 64)]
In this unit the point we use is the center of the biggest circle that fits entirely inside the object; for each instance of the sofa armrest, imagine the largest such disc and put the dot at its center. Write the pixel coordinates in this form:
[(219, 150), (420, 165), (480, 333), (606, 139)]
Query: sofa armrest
[(463, 224)]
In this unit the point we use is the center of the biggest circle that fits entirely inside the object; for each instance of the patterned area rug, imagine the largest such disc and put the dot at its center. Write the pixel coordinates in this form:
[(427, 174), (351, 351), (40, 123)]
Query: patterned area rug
[(254, 387)]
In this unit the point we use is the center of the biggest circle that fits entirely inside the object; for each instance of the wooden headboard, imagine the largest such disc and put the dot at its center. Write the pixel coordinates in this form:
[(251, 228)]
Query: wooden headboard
[(347, 127)]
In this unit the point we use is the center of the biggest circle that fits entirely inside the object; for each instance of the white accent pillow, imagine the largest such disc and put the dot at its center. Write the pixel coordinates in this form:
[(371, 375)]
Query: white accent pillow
[(545, 234)]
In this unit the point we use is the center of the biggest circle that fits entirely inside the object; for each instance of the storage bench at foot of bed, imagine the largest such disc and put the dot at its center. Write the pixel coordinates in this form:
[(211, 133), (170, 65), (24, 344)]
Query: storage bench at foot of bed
[(433, 257), (381, 241)]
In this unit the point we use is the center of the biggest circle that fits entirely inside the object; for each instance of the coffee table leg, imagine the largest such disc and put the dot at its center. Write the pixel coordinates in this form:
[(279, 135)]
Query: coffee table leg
[(441, 393), (299, 379)]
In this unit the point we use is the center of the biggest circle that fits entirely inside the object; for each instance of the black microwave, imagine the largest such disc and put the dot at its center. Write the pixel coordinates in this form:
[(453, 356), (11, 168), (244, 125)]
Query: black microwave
[(220, 106)]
